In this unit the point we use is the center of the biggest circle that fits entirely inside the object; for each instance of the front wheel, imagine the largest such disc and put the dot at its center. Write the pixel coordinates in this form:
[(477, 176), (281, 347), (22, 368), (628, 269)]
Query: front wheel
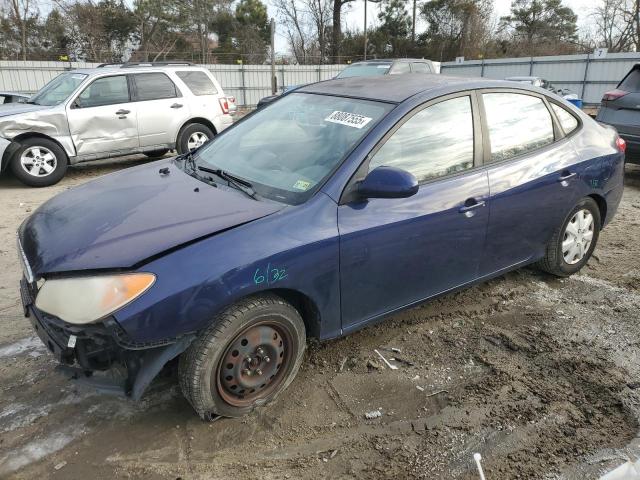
[(573, 242), (246, 358), (39, 162), (192, 136)]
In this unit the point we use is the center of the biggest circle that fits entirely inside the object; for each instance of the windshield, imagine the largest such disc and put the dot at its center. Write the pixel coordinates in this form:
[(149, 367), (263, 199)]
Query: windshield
[(364, 70), (58, 90), (288, 148)]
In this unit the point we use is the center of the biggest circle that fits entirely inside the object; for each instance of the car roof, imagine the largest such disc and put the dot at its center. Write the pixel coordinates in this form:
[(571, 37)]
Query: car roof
[(140, 69), (523, 78), (391, 60), (397, 88)]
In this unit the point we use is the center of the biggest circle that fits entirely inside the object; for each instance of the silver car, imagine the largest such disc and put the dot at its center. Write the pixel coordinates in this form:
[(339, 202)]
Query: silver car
[(106, 112)]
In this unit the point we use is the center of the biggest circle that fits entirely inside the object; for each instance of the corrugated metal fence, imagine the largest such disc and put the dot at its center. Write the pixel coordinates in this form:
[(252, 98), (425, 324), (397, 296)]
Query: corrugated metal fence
[(584, 75), (248, 83)]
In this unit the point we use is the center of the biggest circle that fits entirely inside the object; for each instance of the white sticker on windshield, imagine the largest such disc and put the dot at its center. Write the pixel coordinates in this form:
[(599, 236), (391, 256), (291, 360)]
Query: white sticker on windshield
[(349, 119), (383, 66), (78, 76)]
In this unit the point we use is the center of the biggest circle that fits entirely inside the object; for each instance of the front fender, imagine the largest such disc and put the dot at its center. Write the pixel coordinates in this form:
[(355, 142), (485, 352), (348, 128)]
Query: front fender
[(286, 250)]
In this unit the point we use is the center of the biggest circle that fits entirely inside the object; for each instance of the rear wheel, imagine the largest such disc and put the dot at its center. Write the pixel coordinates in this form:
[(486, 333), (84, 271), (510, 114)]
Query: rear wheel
[(193, 136), (573, 242), (245, 359), (39, 162)]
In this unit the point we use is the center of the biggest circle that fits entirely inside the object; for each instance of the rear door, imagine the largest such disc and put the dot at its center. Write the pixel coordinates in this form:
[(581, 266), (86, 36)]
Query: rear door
[(533, 177), (395, 252), (102, 119), (162, 109), (420, 67)]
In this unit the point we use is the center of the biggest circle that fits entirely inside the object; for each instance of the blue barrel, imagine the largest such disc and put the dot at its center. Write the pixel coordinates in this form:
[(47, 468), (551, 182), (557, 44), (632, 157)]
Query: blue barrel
[(576, 101)]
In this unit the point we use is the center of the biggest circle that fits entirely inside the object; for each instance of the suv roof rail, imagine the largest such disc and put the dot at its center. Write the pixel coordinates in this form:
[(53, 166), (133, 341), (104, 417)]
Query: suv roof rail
[(145, 64)]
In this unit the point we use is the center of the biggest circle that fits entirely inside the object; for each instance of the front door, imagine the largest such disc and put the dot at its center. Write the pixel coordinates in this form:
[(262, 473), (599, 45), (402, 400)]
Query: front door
[(395, 252), (102, 118)]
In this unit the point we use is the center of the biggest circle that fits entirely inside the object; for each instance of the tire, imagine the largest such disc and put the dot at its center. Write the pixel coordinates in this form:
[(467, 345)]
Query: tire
[(156, 153), (190, 132), (244, 359), (564, 263), (42, 154)]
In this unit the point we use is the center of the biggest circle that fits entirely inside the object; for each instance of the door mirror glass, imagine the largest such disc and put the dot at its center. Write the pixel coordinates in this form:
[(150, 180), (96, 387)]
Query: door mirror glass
[(388, 182)]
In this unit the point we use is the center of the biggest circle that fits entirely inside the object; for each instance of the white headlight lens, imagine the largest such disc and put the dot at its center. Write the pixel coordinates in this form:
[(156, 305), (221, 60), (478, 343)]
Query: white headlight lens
[(89, 299)]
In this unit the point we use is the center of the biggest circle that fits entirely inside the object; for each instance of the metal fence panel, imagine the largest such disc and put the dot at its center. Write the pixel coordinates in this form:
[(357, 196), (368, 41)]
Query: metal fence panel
[(584, 75), (248, 83)]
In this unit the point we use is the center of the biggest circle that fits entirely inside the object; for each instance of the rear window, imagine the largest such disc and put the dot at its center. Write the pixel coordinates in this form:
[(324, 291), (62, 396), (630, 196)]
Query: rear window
[(517, 123), (399, 68), (631, 83), (364, 70), (153, 86), (198, 82), (567, 121), (420, 67)]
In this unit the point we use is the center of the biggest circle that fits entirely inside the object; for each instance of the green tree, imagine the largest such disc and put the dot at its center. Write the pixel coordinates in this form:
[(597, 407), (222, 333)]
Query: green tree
[(456, 28), (395, 22), (540, 22)]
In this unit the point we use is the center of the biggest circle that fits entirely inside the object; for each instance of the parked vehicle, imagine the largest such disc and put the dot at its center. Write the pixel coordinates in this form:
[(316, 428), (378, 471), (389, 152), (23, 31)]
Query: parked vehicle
[(350, 200), (12, 97), (620, 108), (370, 68), (90, 114), (398, 66)]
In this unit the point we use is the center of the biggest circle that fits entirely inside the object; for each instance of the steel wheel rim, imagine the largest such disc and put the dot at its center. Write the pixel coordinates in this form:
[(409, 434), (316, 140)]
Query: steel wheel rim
[(255, 369), (38, 161), (578, 236), (196, 139)]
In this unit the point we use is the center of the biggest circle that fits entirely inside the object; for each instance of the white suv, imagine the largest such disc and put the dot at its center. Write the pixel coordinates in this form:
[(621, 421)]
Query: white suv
[(110, 111)]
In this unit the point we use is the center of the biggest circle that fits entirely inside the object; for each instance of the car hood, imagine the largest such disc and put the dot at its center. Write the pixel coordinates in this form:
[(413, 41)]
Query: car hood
[(18, 108), (122, 219)]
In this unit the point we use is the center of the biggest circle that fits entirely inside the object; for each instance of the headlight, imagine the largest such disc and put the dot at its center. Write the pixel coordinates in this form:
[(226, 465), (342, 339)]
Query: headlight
[(89, 299)]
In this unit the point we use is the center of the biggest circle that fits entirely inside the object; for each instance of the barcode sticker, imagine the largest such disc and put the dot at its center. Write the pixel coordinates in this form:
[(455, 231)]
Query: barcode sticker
[(348, 119)]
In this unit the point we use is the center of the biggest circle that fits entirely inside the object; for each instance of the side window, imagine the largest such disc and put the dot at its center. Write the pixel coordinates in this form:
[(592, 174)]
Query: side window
[(419, 67), (567, 121), (400, 67), (153, 86), (517, 124), (198, 82), (105, 91), (436, 141)]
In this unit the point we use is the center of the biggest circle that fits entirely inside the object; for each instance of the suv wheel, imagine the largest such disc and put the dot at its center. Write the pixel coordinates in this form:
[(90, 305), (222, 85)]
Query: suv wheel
[(249, 355), (193, 136), (39, 162), (574, 241)]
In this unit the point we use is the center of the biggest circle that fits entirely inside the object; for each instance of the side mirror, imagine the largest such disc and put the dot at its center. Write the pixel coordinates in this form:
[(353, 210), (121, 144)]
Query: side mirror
[(388, 182)]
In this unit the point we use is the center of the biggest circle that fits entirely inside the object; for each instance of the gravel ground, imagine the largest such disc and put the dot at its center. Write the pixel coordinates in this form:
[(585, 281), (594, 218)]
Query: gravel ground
[(539, 375)]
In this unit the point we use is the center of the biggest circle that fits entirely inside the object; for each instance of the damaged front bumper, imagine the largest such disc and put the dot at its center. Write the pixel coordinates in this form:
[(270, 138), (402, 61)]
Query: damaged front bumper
[(85, 349)]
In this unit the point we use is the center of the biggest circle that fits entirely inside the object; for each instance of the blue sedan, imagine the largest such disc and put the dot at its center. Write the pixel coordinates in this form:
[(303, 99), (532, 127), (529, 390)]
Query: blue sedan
[(335, 206)]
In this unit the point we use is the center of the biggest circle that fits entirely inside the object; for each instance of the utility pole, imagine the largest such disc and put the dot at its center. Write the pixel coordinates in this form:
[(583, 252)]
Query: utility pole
[(274, 80), (413, 25), (365, 29)]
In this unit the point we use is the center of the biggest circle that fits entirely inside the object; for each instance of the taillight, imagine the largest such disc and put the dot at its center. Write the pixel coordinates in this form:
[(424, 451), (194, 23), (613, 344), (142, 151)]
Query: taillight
[(621, 144), (224, 105), (613, 95)]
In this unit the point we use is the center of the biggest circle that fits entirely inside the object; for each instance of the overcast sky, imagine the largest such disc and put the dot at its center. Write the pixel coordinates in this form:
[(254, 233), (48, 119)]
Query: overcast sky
[(354, 16)]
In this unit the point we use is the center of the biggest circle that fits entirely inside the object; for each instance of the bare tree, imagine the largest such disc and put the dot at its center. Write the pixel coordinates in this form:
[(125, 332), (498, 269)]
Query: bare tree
[(336, 30), (20, 12), (298, 32), (613, 29), (320, 12)]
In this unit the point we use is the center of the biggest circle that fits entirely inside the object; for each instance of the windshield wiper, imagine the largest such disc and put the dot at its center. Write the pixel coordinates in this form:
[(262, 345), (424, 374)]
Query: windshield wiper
[(237, 182), (190, 161)]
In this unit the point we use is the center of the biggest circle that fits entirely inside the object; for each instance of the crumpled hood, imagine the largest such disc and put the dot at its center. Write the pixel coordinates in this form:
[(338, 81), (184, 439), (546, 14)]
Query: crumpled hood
[(18, 108), (122, 219)]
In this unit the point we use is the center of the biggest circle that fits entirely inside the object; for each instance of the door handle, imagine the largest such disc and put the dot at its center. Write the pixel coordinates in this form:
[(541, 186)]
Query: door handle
[(469, 206), (176, 105), (123, 112), (566, 176)]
